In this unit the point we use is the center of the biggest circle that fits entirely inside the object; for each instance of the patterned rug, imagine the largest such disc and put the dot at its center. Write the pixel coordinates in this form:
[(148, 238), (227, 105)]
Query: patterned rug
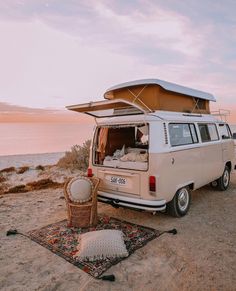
[(63, 241)]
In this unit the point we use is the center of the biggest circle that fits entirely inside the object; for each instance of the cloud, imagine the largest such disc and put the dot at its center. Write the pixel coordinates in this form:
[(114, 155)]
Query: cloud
[(156, 27), (6, 108), (76, 49), (122, 26), (102, 22), (15, 113), (50, 63)]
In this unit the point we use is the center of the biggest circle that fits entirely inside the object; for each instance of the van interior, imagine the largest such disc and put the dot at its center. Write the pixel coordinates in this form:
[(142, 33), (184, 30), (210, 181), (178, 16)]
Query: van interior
[(122, 146)]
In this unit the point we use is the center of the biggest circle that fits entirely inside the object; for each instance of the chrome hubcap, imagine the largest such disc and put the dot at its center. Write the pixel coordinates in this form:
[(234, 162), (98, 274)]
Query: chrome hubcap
[(226, 178), (183, 199)]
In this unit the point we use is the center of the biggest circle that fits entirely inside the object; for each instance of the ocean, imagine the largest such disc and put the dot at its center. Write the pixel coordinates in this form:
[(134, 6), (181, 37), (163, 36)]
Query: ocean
[(31, 138)]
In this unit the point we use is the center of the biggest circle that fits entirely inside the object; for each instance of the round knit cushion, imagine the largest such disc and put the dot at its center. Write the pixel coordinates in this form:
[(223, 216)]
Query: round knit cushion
[(80, 189)]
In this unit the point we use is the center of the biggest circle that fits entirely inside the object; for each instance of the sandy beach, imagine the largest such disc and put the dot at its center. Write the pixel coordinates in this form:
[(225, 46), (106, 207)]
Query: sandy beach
[(201, 256)]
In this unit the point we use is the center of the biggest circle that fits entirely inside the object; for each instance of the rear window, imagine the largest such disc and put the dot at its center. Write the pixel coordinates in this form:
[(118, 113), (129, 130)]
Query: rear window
[(208, 132), (182, 134), (122, 146)]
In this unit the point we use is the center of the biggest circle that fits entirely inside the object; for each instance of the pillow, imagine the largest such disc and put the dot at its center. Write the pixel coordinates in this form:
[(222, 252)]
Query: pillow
[(119, 153), (80, 189), (101, 244)]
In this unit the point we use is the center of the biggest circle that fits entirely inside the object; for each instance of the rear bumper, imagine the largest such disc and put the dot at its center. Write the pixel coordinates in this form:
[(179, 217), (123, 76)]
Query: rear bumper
[(117, 200)]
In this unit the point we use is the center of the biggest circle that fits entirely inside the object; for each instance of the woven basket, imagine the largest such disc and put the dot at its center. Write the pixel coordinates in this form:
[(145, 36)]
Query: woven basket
[(82, 214)]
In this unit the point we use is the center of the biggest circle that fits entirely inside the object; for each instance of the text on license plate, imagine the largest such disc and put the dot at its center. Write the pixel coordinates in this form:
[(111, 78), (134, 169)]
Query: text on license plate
[(118, 180)]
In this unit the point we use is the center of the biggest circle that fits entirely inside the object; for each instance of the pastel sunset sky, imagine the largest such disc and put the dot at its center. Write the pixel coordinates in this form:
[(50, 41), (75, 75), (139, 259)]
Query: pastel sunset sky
[(60, 52)]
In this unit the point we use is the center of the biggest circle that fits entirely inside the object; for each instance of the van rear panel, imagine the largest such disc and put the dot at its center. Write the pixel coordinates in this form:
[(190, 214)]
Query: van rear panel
[(119, 181)]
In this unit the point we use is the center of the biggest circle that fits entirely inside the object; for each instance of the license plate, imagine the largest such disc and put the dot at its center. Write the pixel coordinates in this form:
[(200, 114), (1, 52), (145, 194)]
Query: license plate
[(118, 180)]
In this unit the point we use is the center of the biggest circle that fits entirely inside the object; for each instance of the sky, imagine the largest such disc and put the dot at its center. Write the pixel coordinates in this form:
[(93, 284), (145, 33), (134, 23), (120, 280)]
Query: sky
[(57, 53)]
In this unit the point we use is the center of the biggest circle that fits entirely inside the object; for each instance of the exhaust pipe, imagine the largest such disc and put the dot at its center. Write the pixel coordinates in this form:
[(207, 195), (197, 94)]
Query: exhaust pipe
[(113, 204)]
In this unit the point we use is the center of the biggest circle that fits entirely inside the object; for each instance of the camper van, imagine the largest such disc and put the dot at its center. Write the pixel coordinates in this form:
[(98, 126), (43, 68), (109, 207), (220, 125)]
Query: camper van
[(154, 143)]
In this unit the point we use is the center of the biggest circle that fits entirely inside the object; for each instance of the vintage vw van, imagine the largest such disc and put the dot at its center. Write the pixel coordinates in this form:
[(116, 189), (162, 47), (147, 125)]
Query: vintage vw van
[(155, 142)]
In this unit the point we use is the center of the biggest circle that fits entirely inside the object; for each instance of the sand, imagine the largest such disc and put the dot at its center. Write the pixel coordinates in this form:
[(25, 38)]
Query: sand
[(201, 256)]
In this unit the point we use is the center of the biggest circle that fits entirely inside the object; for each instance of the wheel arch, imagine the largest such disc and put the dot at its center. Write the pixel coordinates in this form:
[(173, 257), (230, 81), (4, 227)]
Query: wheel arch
[(229, 165), (180, 204), (189, 184)]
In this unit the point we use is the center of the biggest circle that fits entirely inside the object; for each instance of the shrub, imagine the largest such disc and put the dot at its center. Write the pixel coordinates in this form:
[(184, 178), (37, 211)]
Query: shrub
[(23, 169), (40, 167), (2, 178), (17, 189), (8, 170), (43, 184), (3, 188), (77, 158)]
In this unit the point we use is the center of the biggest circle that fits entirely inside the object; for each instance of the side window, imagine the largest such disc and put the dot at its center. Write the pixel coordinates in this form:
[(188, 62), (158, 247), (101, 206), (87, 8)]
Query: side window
[(182, 134), (213, 132), (193, 132), (229, 131), (208, 132), (205, 136), (224, 131)]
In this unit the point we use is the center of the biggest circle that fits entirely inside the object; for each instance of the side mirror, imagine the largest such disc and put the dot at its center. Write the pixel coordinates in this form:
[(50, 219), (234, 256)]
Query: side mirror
[(234, 135)]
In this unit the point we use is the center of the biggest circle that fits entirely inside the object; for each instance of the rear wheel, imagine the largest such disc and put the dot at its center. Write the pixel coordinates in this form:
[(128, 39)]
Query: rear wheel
[(223, 181), (180, 204)]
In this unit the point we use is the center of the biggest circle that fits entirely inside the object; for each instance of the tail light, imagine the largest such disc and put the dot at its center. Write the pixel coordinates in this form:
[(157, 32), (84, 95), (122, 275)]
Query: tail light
[(152, 183), (90, 172)]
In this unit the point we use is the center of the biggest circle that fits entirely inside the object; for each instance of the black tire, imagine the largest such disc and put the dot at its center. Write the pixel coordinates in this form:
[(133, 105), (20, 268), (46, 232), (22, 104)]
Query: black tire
[(223, 181), (180, 204)]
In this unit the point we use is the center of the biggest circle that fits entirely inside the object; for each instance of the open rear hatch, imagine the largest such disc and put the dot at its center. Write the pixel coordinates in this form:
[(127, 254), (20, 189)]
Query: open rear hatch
[(119, 151), (108, 108)]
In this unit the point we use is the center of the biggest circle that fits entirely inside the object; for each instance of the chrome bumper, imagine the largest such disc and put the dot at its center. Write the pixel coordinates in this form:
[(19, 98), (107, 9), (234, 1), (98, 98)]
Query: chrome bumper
[(136, 203)]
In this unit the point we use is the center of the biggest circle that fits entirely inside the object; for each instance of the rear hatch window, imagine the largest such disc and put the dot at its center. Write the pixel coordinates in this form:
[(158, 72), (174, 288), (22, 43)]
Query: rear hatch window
[(122, 146), (109, 108)]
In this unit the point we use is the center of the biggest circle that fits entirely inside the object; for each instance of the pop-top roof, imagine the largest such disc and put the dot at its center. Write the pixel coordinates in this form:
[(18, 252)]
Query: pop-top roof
[(165, 85)]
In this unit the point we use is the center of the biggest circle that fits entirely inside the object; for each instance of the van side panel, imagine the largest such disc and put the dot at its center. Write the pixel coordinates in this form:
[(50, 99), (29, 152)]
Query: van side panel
[(227, 149), (212, 162), (175, 170)]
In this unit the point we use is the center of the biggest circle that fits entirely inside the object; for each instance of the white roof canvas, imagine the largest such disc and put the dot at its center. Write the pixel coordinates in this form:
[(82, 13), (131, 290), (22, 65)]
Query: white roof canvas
[(167, 86)]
